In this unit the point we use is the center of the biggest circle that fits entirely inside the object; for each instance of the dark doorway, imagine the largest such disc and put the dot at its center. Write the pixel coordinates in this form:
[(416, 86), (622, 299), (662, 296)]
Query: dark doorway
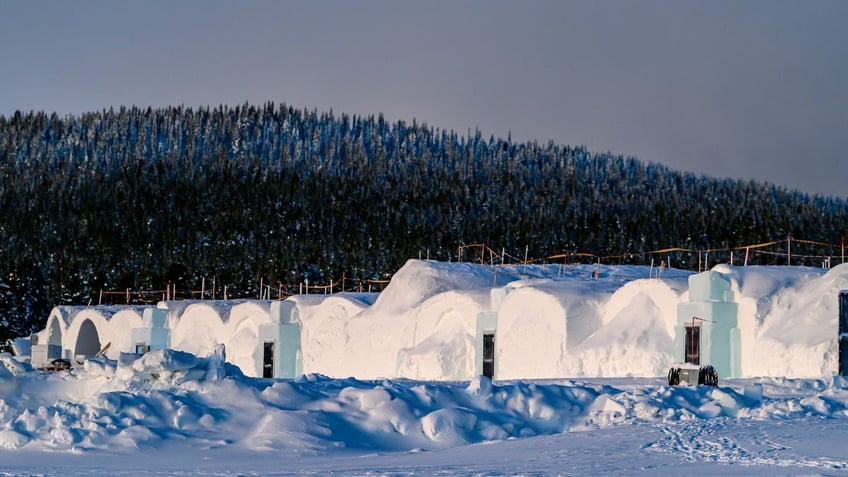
[(489, 355), (693, 344), (88, 342), (268, 360), (843, 333)]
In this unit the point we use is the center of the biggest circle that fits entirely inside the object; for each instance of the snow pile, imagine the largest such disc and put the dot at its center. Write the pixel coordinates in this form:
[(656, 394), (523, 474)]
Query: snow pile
[(166, 397), (107, 403)]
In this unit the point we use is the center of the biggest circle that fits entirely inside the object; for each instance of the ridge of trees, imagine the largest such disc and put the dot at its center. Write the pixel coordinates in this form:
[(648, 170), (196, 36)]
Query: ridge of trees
[(140, 197)]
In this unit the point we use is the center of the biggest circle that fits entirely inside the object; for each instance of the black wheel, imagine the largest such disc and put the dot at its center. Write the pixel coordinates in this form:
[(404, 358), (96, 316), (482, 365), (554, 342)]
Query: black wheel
[(673, 377), (708, 376)]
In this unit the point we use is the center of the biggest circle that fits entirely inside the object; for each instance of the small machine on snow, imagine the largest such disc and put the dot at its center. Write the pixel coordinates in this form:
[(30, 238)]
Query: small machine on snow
[(688, 373), (692, 372)]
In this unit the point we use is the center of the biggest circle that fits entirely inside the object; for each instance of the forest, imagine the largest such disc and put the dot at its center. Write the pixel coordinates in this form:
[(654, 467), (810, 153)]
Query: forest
[(150, 199)]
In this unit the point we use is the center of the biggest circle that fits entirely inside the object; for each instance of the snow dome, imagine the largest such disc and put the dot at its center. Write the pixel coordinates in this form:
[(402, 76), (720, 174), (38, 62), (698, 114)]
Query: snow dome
[(80, 331), (455, 321)]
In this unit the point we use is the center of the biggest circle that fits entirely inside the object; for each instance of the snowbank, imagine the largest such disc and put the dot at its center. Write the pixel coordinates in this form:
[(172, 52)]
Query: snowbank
[(171, 396)]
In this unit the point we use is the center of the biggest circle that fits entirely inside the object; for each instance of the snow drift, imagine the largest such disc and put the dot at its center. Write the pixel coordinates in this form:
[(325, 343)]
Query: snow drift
[(167, 396)]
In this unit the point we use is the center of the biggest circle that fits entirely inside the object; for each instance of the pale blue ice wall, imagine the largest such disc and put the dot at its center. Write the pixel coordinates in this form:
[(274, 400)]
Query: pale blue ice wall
[(285, 332), (711, 300), (487, 322), (153, 332)]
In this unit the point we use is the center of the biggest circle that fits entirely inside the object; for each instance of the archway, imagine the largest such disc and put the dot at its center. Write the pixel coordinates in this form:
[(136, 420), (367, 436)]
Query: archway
[(88, 341), (54, 333)]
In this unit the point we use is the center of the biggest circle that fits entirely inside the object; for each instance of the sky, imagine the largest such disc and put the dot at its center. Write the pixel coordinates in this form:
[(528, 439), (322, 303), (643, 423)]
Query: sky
[(750, 90)]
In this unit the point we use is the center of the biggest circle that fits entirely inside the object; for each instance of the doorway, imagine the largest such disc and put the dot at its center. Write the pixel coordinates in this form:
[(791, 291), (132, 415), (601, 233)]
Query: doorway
[(489, 355), (268, 360), (692, 346), (88, 341)]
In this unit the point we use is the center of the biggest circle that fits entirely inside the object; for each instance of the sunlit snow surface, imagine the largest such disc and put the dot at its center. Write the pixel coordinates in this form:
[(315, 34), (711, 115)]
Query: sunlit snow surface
[(171, 413)]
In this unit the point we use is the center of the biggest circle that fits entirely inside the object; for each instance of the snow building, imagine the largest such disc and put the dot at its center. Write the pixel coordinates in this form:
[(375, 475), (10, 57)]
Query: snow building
[(153, 333), (540, 321), (787, 318), (636, 333), (262, 338), (457, 335), (421, 326), (74, 333), (707, 330), (279, 355), (243, 327), (448, 321), (446, 337)]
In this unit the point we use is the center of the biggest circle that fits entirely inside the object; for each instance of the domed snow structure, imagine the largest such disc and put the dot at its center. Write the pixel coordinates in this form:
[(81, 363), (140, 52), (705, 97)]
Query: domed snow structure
[(323, 319), (196, 327), (636, 332), (449, 321), (241, 334), (539, 321), (798, 334), (74, 333), (376, 337), (443, 346)]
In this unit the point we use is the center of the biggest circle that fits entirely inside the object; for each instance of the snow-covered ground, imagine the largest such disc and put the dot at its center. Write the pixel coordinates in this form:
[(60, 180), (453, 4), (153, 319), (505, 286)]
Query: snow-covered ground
[(170, 413), (599, 406)]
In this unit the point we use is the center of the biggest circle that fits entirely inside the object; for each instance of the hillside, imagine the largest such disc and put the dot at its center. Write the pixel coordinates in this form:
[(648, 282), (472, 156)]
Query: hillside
[(140, 199)]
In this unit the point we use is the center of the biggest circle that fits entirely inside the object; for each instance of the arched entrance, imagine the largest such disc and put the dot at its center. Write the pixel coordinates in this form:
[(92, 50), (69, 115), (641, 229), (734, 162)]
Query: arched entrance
[(54, 334), (88, 342)]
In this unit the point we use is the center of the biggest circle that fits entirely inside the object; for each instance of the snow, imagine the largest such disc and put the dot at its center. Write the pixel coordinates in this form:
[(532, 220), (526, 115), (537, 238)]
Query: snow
[(423, 325), (552, 321), (171, 412), (580, 388)]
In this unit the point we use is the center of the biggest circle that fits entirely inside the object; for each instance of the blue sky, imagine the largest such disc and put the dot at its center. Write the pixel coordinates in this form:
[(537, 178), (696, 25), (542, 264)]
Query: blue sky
[(754, 89)]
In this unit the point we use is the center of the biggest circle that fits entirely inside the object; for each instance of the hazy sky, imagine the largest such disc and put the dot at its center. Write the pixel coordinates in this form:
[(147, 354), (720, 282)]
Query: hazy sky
[(749, 89)]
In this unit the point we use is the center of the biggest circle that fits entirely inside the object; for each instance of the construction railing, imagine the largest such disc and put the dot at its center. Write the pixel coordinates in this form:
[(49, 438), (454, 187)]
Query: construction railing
[(806, 252)]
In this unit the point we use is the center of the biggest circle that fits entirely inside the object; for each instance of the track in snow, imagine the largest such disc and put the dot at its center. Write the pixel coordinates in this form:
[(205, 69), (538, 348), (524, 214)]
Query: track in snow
[(740, 442)]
